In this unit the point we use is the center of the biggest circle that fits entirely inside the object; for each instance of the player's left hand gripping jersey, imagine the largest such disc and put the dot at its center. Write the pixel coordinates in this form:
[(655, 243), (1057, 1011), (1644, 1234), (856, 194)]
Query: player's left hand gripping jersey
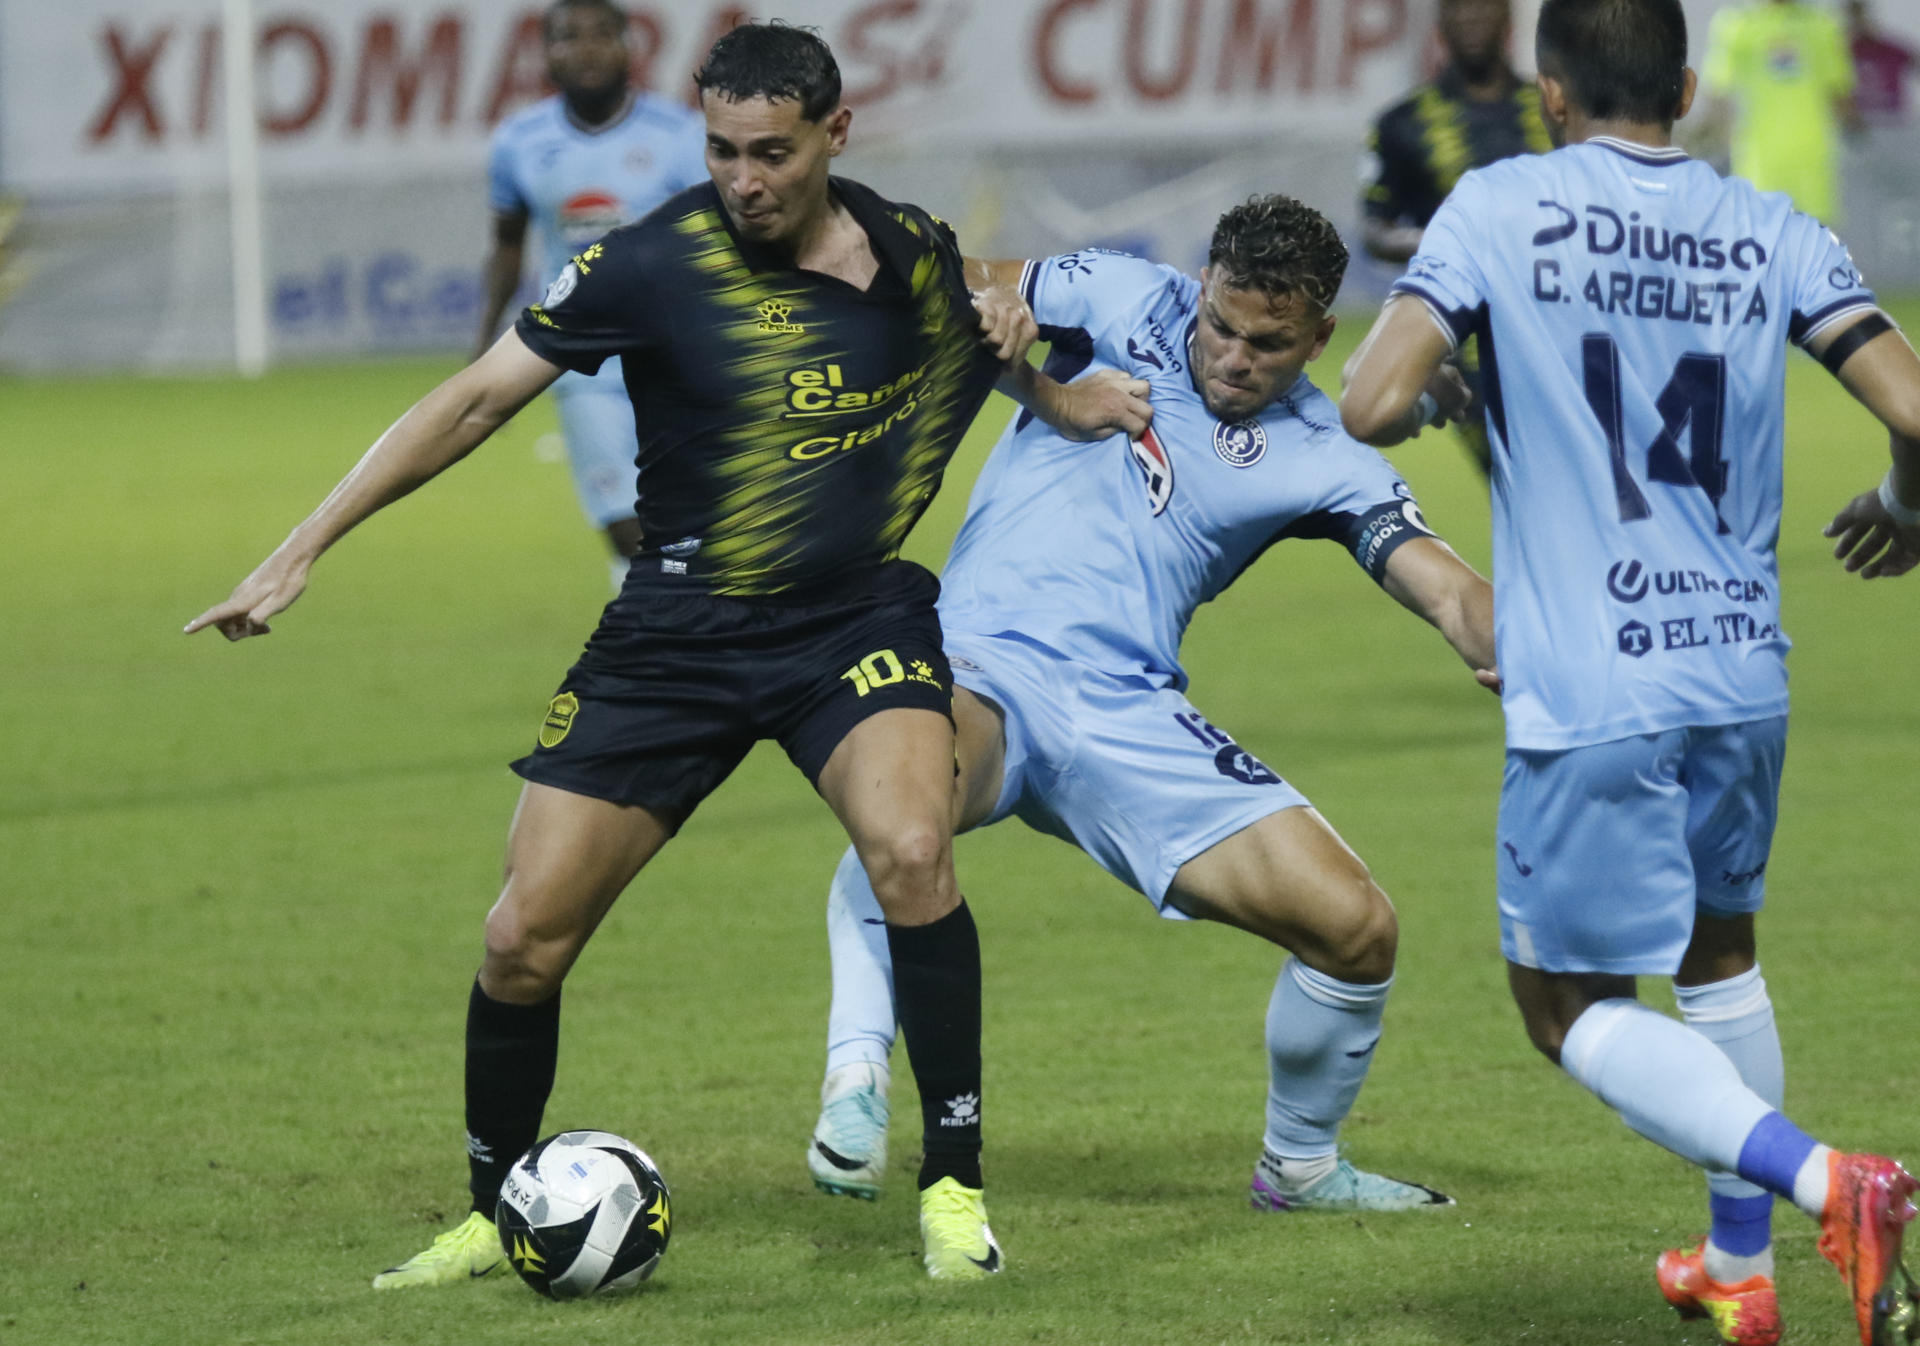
[(1633, 309), (1102, 552), (791, 427)]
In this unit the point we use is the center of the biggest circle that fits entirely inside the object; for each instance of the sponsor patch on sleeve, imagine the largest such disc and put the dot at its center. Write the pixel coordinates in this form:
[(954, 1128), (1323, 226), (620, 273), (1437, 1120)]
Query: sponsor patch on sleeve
[(1383, 530)]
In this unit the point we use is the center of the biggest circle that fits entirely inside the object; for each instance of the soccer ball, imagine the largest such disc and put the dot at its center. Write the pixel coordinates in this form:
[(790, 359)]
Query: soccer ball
[(582, 1213)]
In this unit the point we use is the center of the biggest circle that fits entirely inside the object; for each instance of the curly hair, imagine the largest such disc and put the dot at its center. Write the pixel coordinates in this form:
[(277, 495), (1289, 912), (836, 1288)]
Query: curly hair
[(1278, 246)]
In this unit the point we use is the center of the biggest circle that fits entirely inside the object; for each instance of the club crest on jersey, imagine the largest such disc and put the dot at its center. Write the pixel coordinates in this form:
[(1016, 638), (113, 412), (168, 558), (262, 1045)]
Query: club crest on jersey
[(1241, 444), (1156, 468), (773, 317), (560, 713)]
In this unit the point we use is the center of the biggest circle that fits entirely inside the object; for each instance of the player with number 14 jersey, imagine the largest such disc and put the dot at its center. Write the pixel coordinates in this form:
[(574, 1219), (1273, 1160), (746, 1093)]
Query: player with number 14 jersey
[(1633, 564)]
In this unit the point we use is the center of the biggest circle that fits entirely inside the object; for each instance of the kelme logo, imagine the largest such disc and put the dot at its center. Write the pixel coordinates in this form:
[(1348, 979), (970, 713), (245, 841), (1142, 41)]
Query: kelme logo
[(774, 314), (560, 713)]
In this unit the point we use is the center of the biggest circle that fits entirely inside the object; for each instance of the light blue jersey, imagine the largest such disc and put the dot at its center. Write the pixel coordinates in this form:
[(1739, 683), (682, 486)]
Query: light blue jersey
[(1633, 309), (1102, 552), (575, 185)]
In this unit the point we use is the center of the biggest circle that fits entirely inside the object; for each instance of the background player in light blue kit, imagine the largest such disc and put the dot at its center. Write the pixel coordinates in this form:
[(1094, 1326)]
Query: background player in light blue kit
[(1070, 586), (1634, 309), (595, 155)]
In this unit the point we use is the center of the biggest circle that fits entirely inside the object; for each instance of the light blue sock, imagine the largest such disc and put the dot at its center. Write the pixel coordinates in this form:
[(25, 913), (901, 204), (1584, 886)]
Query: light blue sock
[(1736, 1015), (860, 1021), (1321, 1033), (1665, 1080)]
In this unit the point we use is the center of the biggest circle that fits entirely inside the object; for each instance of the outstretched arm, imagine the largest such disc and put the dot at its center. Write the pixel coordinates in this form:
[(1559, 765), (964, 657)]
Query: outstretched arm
[(437, 432), (1878, 531), (1430, 580)]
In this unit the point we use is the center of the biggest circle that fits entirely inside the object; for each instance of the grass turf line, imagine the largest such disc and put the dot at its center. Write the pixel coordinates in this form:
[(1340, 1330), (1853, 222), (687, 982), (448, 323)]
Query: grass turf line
[(247, 887)]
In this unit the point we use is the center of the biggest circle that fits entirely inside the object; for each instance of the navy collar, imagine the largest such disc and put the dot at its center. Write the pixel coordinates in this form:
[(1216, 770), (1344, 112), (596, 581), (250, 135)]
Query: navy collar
[(1640, 154)]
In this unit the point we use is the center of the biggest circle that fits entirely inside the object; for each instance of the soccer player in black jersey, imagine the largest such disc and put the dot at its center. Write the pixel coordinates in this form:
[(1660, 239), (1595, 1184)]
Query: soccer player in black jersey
[(1476, 112), (803, 358)]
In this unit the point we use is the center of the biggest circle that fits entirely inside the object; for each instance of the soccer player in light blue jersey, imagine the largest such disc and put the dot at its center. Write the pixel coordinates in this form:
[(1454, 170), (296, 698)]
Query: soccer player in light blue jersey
[(1634, 310), (1063, 605), (595, 155)]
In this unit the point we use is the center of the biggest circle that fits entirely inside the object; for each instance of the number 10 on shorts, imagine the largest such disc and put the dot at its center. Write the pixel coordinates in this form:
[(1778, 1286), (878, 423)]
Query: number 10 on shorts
[(882, 668)]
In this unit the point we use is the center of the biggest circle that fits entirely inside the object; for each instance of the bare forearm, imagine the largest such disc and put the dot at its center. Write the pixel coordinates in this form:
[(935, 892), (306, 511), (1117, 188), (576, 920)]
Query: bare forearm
[(1429, 579), (1381, 405), (435, 433), (502, 274), (981, 272), (1385, 377), (1038, 393), (1906, 468), (1467, 623), (1024, 384)]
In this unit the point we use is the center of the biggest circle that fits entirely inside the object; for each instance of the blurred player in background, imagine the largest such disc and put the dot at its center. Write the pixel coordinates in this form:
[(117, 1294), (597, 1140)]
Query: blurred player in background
[(803, 358), (1780, 72), (1882, 65), (1635, 309), (573, 166), (1070, 585), (1476, 112)]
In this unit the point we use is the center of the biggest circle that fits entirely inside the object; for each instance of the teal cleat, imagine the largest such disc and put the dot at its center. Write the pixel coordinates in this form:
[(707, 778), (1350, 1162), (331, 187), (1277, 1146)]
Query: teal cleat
[(848, 1153), (1346, 1188)]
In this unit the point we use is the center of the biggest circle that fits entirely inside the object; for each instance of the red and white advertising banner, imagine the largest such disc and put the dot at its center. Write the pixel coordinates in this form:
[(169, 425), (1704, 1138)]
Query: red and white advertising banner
[(125, 95)]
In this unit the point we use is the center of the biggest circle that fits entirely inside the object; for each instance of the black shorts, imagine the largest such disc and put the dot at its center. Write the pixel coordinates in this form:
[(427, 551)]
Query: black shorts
[(675, 687)]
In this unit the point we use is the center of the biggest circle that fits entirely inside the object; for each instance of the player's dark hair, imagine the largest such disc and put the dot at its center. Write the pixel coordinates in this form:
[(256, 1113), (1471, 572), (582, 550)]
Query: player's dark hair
[(553, 12), (1620, 60), (775, 61), (1278, 246)]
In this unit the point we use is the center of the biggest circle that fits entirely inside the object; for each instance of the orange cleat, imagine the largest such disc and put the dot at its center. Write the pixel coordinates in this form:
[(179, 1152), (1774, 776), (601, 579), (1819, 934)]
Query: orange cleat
[(1869, 1202), (1747, 1314)]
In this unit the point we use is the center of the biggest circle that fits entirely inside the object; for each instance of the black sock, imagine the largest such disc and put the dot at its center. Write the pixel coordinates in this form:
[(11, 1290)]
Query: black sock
[(936, 990), (511, 1053)]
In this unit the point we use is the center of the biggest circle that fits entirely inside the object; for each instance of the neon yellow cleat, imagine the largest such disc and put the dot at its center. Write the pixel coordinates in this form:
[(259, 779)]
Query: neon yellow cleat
[(953, 1228), (468, 1251)]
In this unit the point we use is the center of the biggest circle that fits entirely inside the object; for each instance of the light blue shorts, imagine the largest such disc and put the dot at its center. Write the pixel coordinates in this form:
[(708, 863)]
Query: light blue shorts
[(596, 420), (1606, 852), (1130, 773)]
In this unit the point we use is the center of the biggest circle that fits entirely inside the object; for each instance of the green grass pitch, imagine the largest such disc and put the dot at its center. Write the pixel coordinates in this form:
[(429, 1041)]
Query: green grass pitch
[(244, 888)]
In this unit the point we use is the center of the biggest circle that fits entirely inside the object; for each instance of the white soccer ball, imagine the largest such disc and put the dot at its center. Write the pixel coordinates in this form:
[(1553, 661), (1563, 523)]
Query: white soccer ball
[(583, 1213)]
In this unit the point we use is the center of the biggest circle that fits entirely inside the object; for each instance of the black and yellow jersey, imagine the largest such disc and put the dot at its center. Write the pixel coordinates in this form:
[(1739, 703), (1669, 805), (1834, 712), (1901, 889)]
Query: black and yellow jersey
[(792, 428), (1421, 146)]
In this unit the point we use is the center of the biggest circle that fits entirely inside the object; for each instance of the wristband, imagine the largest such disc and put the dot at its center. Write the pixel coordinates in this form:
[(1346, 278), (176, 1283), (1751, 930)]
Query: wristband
[(1890, 502), (1428, 407)]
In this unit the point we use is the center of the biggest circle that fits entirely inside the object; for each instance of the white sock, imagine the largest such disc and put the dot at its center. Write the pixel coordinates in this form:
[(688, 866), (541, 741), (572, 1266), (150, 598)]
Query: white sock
[(1736, 1015), (1320, 1038), (1666, 1081), (1810, 1183), (1297, 1175), (860, 1020)]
